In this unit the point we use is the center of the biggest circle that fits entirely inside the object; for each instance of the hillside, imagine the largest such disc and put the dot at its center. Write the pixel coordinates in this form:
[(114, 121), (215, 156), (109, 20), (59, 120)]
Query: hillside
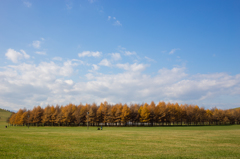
[(4, 115)]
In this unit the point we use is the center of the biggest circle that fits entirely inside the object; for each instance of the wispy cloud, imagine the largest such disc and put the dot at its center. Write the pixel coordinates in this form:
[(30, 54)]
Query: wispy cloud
[(41, 52), (115, 56), (128, 53), (173, 51), (149, 59), (57, 58), (27, 4), (36, 44), (89, 54), (133, 67), (117, 23)]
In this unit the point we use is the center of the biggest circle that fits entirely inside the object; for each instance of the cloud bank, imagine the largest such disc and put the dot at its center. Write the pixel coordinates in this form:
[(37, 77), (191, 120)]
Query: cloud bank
[(27, 85)]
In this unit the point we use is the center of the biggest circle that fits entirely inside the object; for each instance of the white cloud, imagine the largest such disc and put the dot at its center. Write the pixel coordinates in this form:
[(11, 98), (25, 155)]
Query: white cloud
[(117, 23), (95, 67), (14, 56), (105, 62), (114, 17), (25, 55), (128, 53), (115, 56), (90, 53), (133, 67), (30, 84), (89, 76), (36, 44), (123, 66), (173, 51), (70, 82), (149, 59), (52, 83), (28, 4), (109, 17), (57, 58), (41, 52)]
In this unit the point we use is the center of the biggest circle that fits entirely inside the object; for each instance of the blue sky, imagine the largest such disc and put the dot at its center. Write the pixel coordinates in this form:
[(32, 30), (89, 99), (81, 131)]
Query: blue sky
[(56, 52)]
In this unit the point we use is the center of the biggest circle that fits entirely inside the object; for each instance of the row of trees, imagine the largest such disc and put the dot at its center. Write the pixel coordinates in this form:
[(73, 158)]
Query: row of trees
[(119, 114), (6, 110)]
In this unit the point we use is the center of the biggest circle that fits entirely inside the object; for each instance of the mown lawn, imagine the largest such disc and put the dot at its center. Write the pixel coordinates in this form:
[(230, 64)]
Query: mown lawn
[(119, 142)]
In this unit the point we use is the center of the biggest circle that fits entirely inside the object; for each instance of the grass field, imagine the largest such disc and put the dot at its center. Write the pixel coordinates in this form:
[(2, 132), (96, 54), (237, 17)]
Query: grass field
[(120, 142), (3, 116)]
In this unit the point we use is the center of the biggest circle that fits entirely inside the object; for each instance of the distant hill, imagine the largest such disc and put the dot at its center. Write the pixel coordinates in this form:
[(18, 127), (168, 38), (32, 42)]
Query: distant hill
[(4, 114), (237, 108)]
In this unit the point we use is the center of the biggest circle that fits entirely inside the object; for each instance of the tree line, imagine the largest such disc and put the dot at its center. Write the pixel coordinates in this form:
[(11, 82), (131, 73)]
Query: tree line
[(123, 115), (7, 110)]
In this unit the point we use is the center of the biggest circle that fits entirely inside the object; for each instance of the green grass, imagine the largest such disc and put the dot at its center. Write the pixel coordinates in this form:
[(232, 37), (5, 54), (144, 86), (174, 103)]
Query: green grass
[(120, 142), (3, 116)]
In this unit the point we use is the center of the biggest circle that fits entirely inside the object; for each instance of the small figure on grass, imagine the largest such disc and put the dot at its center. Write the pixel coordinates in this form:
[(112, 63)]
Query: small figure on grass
[(5, 126), (101, 127)]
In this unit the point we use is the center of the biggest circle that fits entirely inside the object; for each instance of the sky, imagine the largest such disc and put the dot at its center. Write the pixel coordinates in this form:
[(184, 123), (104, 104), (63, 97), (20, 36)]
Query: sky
[(69, 51)]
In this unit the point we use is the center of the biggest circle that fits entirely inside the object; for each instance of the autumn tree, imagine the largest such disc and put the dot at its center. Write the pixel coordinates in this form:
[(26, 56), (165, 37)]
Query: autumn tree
[(126, 114), (183, 111), (36, 115), (105, 113), (144, 114), (54, 116), (118, 114), (59, 116), (47, 115), (151, 109), (109, 115), (135, 116), (209, 114), (161, 112), (52, 112), (67, 112), (18, 117), (24, 117), (190, 114), (92, 114), (105, 110), (12, 119)]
